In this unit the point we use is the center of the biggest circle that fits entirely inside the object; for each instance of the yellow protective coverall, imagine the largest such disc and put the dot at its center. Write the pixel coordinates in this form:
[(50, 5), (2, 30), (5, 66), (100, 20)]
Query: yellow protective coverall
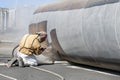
[(30, 44)]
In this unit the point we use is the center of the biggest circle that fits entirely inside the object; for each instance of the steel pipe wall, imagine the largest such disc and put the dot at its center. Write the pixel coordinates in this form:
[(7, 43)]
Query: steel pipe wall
[(88, 32), (72, 4)]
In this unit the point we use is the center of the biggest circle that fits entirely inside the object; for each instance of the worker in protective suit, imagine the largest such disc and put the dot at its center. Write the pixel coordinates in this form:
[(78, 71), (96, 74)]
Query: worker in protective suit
[(29, 46)]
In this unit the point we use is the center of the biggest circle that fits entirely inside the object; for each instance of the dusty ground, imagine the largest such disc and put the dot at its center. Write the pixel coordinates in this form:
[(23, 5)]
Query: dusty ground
[(6, 48), (65, 70)]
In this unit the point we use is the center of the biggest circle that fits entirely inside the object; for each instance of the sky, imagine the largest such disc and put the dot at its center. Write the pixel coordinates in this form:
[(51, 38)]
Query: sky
[(18, 3)]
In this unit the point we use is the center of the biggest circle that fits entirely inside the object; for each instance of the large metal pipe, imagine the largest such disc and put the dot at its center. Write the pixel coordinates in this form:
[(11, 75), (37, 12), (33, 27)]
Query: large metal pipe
[(88, 35), (72, 4)]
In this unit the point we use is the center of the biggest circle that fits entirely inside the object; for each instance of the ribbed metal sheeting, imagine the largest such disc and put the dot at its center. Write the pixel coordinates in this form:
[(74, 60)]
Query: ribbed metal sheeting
[(88, 32)]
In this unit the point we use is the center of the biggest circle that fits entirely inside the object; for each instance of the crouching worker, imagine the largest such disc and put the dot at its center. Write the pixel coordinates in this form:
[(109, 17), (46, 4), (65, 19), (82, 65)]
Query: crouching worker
[(29, 46)]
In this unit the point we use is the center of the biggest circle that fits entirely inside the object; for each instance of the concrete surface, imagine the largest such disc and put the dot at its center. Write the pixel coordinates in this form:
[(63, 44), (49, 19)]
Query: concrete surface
[(69, 72)]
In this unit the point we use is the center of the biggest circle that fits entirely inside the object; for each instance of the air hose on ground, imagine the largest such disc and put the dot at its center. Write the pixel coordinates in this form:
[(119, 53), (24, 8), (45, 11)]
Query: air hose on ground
[(51, 72)]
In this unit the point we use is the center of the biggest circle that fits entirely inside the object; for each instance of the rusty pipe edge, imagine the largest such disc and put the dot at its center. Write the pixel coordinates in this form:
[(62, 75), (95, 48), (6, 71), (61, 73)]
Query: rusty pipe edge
[(36, 27)]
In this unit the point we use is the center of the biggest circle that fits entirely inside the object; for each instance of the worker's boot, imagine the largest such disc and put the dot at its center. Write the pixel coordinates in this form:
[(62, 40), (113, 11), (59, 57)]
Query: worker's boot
[(11, 62), (20, 62)]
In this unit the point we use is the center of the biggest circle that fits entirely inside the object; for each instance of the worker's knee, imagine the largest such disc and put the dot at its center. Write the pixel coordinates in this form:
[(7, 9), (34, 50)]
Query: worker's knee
[(30, 62)]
